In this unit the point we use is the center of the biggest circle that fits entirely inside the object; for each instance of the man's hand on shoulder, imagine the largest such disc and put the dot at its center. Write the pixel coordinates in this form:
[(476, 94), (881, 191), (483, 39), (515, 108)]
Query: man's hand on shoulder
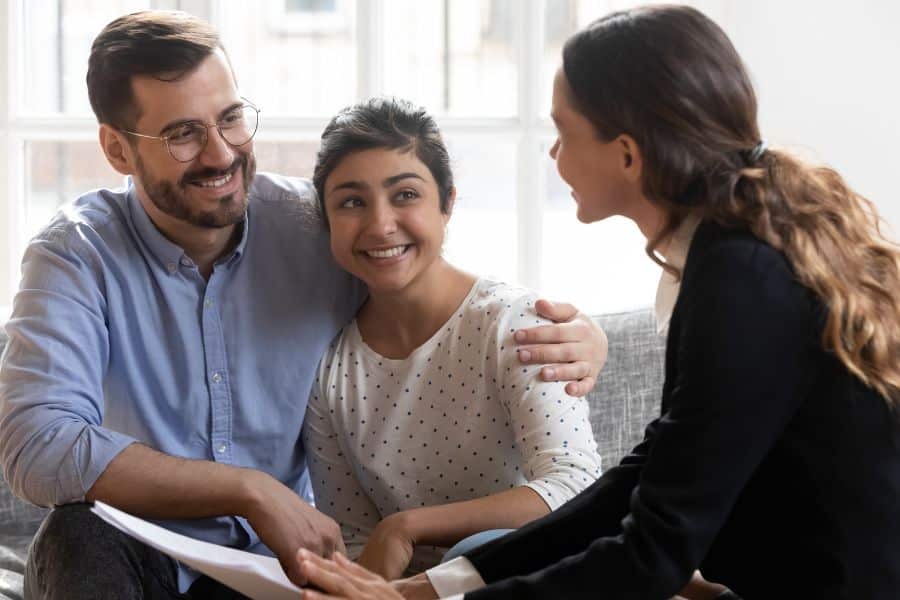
[(573, 349), (286, 523)]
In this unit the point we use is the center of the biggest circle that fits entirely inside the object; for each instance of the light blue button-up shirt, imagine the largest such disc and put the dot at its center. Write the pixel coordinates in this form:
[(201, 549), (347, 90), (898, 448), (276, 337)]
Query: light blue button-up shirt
[(116, 337)]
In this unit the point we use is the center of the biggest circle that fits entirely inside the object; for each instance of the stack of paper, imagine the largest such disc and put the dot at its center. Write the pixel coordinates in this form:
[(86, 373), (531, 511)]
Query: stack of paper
[(255, 576)]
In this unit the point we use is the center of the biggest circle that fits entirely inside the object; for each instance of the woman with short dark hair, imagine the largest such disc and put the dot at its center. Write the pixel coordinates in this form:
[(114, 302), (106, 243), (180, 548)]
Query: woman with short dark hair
[(423, 429)]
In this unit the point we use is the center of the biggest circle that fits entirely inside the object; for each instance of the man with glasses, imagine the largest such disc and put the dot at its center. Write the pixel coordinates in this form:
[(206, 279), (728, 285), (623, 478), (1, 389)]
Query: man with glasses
[(165, 336)]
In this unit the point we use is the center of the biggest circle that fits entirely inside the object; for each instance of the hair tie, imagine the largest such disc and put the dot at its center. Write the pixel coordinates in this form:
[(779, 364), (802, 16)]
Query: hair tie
[(758, 151)]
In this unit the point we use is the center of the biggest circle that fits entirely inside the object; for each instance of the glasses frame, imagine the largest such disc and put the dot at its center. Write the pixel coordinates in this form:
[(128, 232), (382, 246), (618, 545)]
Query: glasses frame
[(217, 125)]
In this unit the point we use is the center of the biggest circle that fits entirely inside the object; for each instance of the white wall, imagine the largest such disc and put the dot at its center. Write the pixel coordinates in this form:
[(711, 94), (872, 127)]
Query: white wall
[(828, 78)]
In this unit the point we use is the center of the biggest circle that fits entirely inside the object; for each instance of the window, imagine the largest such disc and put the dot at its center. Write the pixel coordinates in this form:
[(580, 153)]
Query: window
[(484, 68), (305, 17)]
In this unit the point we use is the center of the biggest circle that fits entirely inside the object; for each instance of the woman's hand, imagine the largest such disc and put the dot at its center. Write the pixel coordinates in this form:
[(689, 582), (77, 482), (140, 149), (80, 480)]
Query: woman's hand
[(573, 350), (700, 589), (341, 578), (389, 549)]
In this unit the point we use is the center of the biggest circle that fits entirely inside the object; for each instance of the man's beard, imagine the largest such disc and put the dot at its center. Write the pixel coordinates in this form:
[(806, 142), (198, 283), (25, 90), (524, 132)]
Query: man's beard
[(171, 198)]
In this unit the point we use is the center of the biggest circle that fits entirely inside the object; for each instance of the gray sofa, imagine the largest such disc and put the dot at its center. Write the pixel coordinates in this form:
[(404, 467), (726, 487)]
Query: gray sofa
[(625, 399)]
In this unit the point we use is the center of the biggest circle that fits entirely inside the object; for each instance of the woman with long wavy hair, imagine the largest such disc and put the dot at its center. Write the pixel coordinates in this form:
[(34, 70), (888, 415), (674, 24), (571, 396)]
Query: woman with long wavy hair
[(774, 467)]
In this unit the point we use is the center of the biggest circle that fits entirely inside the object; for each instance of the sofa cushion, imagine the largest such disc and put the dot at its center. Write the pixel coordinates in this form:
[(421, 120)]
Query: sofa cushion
[(629, 390), (18, 523), (12, 566)]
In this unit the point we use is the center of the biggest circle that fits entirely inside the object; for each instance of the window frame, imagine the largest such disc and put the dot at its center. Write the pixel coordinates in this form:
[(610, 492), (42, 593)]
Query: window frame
[(528, 130)]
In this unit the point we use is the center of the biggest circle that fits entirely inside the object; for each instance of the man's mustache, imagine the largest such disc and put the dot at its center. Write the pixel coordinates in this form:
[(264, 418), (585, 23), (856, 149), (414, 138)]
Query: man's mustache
[(209, 173)]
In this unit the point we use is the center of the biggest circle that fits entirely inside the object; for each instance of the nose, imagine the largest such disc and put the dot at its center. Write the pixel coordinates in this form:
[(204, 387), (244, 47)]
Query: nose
[(217, 152), (382, 220), (554, 149)]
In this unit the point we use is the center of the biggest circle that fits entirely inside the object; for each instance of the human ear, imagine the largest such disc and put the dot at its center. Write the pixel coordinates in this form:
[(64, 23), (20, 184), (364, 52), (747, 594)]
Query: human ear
[(114, 147), (632, 159), (451, 202)]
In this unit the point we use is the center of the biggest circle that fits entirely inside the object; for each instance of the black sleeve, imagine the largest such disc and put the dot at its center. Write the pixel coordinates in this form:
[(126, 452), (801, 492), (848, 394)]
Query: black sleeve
[(745, 354), (594, 513)]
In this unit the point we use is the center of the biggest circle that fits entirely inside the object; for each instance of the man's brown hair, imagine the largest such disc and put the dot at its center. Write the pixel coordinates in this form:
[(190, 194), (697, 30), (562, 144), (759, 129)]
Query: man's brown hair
[(162, 44)]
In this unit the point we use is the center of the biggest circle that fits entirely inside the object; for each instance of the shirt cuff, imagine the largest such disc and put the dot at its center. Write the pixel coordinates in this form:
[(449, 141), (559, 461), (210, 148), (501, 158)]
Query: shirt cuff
[(454, 578)]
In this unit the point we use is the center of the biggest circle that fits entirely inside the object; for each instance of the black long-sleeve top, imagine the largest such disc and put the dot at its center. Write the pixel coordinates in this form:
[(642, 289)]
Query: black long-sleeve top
[(771, 468)]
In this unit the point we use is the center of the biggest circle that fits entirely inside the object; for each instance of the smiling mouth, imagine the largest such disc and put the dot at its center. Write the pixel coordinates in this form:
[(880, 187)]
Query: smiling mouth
[(387, 252), (210, 179), (213, 183)]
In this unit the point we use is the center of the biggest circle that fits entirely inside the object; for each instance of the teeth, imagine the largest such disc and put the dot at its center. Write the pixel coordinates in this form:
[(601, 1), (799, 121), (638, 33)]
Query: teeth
[(388, 253), (214, 183)]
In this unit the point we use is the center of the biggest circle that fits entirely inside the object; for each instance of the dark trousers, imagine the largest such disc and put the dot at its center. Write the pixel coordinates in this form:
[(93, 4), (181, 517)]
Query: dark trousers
[(77, 555)]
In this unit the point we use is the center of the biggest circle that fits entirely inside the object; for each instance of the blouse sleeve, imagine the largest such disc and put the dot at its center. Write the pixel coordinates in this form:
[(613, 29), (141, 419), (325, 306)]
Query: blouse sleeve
[(552, 430), (337, 491)]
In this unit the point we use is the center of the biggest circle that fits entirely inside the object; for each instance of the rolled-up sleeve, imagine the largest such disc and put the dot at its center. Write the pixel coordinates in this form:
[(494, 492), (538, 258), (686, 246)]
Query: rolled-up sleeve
[(52, 443)]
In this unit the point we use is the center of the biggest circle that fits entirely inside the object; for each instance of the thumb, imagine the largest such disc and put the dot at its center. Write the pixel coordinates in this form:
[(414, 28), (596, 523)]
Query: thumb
[(560, 312)]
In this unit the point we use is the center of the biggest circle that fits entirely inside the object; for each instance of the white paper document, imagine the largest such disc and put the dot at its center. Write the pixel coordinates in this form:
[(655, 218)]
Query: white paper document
[(255, 576)]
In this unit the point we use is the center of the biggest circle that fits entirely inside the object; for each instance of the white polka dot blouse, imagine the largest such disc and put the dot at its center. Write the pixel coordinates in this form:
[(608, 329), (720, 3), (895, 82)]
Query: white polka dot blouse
[(459, 418)]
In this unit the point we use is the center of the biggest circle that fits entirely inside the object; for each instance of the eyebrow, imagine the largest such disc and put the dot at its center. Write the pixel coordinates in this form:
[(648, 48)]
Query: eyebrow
[(397, 178), (392, 180), (180, 122)]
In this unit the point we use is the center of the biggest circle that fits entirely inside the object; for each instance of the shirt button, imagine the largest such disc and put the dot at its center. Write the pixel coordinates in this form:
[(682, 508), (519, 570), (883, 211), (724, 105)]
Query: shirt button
[(186, 261), (208, 302), (222, 448), (217, 377), (172, 267)]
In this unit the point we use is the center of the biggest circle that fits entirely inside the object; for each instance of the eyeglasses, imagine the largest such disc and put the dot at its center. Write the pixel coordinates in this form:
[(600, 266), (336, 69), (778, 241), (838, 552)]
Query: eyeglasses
[(186, 141)]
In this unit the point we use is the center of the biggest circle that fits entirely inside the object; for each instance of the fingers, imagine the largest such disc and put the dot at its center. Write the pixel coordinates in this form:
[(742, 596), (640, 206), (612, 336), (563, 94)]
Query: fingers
[(560, 312), (573, 371), (328, 539), (325, 574), (581, 388), (567, 352), (292, 570), (340, 548), (355, 569), (553, 334), (341, 578)]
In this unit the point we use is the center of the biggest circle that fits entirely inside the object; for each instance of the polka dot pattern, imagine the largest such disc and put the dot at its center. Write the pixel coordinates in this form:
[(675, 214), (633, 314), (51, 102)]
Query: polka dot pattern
[(460, 418)]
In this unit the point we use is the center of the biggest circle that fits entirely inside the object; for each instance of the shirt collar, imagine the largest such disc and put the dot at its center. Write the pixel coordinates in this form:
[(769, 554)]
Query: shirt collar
[(242, 243), (168, 253), (164, 250), (669, 285)]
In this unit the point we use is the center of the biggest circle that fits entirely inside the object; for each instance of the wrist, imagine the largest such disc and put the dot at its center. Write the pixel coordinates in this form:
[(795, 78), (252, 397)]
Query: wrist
[(417, 587), (248, 487), (400, 524)]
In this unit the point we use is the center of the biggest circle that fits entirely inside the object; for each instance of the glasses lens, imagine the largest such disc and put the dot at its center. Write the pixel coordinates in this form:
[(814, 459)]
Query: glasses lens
[(239, 126), (186, 142)]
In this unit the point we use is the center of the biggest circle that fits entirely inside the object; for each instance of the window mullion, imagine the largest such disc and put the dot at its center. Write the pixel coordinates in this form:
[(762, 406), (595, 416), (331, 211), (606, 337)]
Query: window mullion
[(370, 47), (530, 179)]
